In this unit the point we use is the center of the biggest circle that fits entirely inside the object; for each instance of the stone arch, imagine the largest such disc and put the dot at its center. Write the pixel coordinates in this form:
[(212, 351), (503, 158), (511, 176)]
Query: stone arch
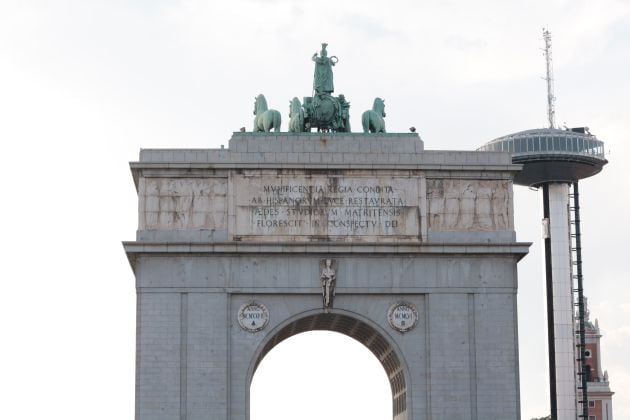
[(355, 326)]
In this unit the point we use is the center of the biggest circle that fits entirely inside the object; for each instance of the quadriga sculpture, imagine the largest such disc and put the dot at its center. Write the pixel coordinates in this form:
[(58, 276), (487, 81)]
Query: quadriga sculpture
[(265, 119), (372, 120), (296, 116)]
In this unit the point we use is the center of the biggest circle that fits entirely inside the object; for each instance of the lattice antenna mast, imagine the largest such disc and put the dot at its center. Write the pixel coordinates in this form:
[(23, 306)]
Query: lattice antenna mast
[(551, 99)]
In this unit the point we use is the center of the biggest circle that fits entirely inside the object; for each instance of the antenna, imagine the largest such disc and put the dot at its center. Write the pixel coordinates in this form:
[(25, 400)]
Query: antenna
[(555, 164), (551, 99)]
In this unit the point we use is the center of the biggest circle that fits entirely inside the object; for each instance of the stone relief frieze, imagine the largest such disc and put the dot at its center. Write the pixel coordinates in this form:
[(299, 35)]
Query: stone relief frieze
[(460, 204), (184, 203)]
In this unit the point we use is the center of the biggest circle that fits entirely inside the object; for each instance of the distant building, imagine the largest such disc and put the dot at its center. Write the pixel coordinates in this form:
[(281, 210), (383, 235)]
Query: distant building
[(599, 393)]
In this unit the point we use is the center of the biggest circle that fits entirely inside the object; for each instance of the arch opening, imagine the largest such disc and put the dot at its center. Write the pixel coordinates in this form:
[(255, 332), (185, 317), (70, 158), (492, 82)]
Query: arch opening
[(362, 332)]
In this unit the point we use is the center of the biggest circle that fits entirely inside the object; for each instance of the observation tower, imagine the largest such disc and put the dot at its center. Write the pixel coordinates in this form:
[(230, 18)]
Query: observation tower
[(554, 160)]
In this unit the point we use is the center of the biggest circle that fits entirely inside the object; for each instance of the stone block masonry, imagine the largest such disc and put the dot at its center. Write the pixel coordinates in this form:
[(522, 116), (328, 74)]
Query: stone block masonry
[(250, 226)]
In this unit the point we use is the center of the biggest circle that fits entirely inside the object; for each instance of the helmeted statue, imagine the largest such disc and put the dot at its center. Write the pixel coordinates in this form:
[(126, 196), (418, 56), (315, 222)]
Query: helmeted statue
[(320, 111), (328, 280), (323, 111), (323, 78)]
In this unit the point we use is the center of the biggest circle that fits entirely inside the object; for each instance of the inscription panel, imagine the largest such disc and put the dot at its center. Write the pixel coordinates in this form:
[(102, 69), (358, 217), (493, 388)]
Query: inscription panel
[(325, 205)]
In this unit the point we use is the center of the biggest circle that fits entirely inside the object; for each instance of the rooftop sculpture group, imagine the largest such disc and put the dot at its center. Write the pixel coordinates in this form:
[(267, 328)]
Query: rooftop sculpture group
[(321, 110)]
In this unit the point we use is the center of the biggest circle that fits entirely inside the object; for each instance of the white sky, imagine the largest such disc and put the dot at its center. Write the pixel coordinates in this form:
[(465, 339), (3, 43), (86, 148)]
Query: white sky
[(85, 84)]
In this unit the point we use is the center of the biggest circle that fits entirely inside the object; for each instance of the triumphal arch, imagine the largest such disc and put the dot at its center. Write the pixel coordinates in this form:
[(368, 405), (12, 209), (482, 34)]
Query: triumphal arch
[(412, 252)]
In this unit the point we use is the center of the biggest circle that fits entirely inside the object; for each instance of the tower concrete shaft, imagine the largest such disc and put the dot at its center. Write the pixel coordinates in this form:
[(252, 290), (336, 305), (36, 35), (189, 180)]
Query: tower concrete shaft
[(560, 318)]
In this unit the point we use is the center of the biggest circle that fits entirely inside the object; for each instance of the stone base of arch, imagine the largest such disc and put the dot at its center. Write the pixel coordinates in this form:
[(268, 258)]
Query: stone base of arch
[(459, 361), (241, 232)]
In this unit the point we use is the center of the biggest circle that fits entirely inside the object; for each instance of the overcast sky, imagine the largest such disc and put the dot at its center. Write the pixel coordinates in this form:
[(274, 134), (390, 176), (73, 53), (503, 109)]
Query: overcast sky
[(85, 84)]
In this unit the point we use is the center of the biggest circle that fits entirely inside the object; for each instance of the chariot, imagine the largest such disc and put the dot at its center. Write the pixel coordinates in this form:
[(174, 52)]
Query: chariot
[(326, 113)]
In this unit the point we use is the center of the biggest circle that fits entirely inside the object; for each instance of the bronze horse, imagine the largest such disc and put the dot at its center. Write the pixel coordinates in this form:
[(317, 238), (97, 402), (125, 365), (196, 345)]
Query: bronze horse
[(265, 119)]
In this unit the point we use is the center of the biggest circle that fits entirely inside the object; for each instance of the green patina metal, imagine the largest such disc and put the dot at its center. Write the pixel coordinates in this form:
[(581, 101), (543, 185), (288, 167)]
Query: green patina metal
[(321, 111), (323, 78), (296, 117), (265, 119), (372, 120)]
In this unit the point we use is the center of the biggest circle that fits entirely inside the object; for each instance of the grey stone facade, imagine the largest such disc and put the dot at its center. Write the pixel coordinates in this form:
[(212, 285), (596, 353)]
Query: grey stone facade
[(251, 223)]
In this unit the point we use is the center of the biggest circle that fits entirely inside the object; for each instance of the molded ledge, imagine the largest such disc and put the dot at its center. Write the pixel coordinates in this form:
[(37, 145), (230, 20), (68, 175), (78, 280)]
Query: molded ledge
[(134, 249)]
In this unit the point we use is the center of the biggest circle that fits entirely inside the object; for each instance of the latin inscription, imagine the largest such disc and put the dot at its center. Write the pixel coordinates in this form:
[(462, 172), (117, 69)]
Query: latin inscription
[(402, 316), (253, 316), (331, 206)]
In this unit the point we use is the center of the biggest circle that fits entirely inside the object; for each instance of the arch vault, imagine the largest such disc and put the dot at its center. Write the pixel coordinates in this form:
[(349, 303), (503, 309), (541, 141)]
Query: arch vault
[(354, 326), (410, 252)]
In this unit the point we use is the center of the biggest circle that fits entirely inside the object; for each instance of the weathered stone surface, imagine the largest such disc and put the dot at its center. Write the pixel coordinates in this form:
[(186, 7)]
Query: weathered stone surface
[(463, 204), (182, 203), (281, 207), (220, 229)]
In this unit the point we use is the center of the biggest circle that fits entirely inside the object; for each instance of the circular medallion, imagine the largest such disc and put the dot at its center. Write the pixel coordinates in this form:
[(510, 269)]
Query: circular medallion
[(253, 316), (402, 316)]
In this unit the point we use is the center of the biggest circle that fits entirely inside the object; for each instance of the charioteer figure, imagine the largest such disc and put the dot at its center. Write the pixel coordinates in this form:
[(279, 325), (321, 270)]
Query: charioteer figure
[(323, 78), (321, 110)]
